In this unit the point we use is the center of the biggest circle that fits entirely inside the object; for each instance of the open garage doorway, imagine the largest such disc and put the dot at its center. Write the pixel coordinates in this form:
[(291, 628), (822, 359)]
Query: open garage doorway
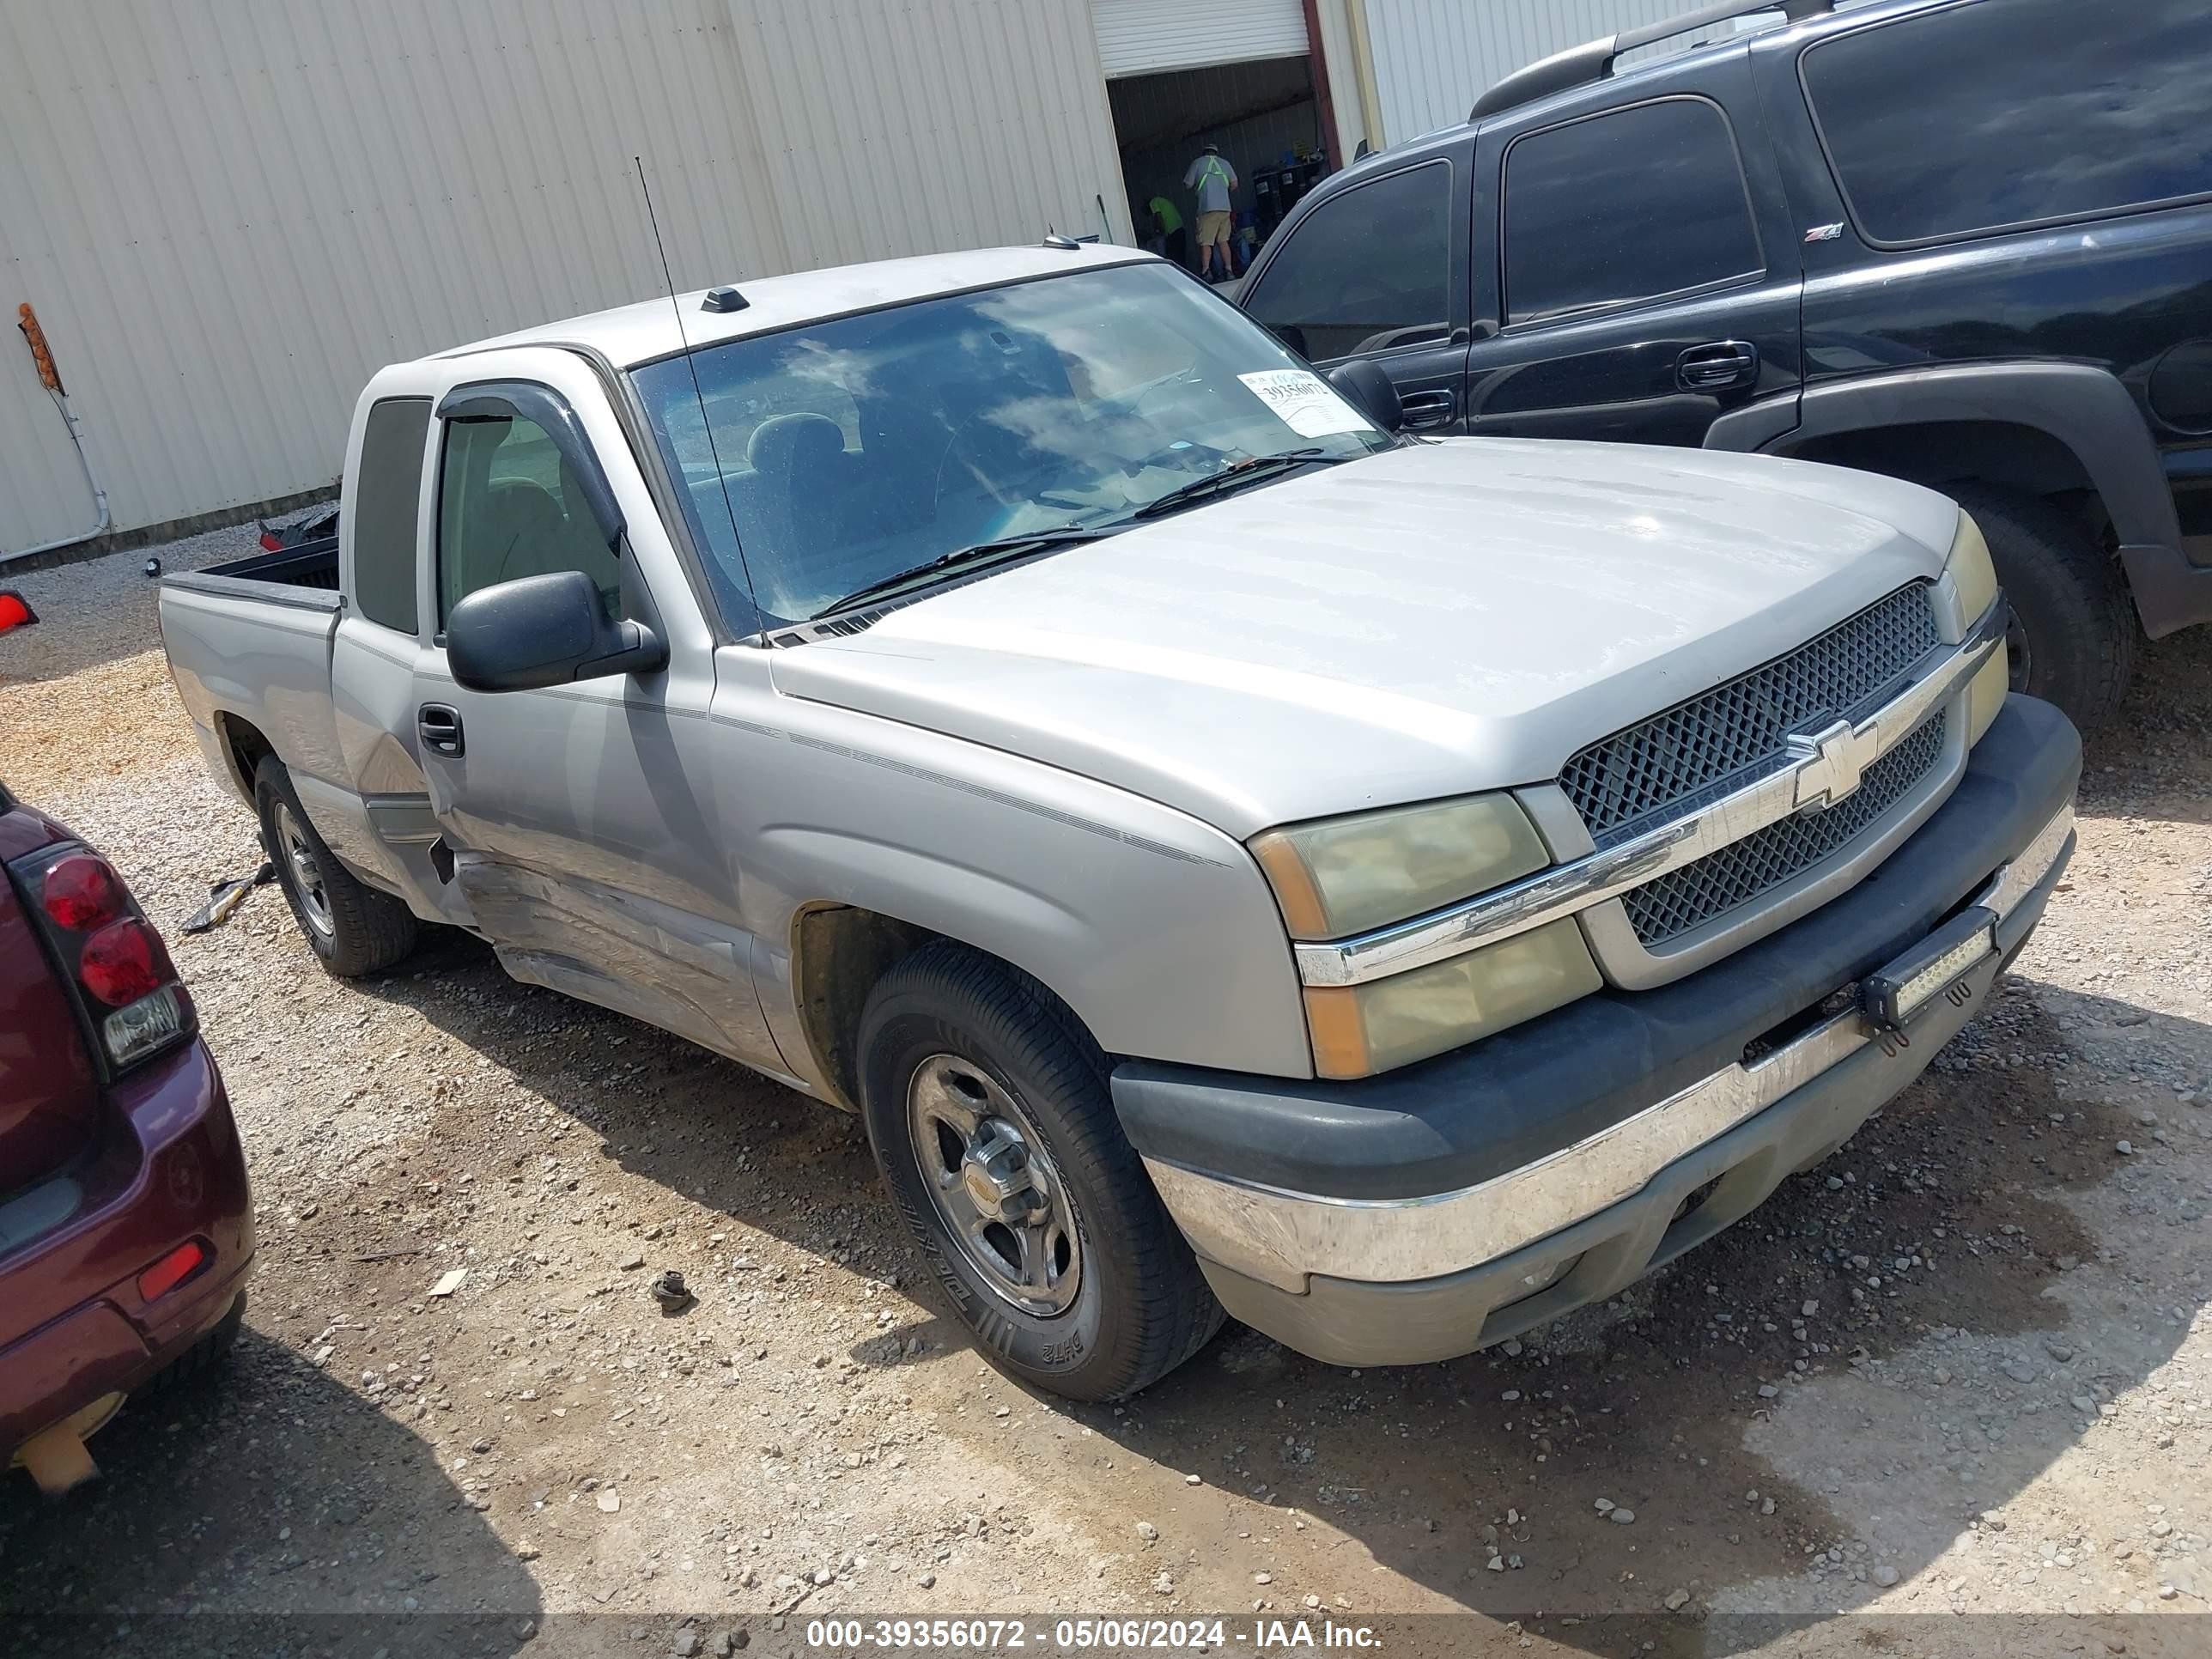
[(1264, 116)]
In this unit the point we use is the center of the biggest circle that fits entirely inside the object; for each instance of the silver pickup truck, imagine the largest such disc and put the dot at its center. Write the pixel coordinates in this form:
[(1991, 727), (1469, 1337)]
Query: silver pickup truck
[(1233, 855)]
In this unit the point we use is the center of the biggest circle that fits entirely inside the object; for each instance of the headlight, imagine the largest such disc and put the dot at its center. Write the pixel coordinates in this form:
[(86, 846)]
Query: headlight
[(1986, 692), (1970, 567), (1976, 579), (1342, 876), (1345, 876), (1360, 1029)]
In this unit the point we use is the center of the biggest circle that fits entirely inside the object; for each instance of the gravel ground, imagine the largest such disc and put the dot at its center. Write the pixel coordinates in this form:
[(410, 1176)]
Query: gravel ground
[(1950, 1392)]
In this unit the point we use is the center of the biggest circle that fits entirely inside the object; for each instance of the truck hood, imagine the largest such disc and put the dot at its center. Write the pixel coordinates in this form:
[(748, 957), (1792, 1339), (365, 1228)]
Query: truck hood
[(1433, 620)]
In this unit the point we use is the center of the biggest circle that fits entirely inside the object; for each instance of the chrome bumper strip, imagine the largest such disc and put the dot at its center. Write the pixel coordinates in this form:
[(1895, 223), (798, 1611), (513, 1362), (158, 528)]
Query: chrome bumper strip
[(1826, 767), (2021, 877), (1278, 1237)]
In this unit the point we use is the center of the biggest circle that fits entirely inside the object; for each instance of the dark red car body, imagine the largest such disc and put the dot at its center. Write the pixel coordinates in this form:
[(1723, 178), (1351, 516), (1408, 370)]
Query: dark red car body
[(104, 1171)]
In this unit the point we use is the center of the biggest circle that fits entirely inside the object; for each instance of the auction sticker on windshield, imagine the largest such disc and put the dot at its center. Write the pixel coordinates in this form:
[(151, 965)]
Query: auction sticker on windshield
[(1305, 403)]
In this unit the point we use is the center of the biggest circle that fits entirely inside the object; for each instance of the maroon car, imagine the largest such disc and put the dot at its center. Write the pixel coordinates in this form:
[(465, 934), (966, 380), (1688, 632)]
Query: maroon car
[(125, 1228)]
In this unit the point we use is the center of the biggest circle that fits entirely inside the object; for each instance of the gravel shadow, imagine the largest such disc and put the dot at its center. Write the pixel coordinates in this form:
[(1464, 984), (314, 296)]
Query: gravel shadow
[(662, 1109), (292, 1517)]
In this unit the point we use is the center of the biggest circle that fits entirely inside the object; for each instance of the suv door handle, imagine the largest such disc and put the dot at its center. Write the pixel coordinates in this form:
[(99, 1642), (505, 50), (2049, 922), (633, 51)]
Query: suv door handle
[(439, 726), (1721, 364), (1427, 409)]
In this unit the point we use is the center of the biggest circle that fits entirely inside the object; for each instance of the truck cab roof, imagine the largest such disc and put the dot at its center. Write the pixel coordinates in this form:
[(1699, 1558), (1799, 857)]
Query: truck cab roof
[(631, 335)]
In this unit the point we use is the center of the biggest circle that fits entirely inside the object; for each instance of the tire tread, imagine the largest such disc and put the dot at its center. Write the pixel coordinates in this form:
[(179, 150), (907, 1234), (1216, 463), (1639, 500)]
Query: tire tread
[(203, 1356), (2059, 578)]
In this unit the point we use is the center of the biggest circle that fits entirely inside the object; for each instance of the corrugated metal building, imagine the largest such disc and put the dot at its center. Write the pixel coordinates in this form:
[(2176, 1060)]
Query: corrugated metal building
[(229, 213), (1432, 57)]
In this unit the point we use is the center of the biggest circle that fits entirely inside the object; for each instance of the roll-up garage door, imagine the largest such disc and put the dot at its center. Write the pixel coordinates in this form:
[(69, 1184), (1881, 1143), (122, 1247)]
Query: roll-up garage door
[(1140, 37)]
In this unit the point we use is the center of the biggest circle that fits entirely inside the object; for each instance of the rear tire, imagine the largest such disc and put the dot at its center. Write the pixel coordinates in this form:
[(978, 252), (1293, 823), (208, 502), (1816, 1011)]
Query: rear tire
[(2073, 635), (972, 1074), (203, 1356), (352, 928)]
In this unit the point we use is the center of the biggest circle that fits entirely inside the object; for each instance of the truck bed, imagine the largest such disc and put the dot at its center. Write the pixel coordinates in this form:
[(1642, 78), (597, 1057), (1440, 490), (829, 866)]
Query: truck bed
[(249, 645), (312, 568)]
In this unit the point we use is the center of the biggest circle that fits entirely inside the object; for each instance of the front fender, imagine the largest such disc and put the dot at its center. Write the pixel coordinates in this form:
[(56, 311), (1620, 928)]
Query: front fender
[(2085, 408), (1157, 929)]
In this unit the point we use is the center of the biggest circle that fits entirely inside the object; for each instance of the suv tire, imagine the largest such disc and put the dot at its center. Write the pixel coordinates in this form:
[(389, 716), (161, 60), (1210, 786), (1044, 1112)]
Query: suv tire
[(2072, 633), (203, 1356), (352, 928), (986, 1106)]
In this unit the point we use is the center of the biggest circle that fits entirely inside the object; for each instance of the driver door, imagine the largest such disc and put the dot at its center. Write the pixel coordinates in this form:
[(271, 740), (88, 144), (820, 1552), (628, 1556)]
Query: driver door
[(1378, 271), (579, 820)]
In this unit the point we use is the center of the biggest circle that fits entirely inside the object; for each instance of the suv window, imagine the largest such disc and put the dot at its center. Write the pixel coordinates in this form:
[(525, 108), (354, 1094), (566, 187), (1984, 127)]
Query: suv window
[(2069, 110), (388, 489), (1625, 206), (509, 507), (1367, 270)]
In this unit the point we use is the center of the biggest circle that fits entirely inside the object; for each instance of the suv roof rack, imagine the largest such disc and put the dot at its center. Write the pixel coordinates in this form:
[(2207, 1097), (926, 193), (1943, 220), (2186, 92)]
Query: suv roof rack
[(1593, 60)]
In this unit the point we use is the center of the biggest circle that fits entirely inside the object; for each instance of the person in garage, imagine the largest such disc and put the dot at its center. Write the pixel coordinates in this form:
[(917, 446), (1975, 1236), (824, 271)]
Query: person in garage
[(1211, 178), (1167, 225)]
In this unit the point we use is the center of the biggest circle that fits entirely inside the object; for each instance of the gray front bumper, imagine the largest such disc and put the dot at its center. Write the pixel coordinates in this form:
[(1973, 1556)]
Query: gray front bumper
[(1739, 1135)]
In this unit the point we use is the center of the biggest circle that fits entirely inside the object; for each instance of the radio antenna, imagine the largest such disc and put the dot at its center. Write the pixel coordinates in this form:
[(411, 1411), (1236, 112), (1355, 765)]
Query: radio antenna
[(698, 393)]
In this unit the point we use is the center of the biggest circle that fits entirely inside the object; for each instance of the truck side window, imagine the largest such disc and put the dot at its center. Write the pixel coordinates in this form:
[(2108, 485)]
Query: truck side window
[(1367, 270), (508, 508), (1628, 205), (2070, 110), (388, 489)]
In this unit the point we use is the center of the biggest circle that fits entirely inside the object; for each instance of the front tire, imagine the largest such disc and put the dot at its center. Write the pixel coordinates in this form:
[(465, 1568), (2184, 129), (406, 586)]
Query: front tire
[(352, 928), (987, 1109), (2073, 635)]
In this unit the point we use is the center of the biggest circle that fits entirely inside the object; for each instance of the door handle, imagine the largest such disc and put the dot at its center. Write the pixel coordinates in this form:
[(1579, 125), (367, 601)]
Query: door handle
[(1712, 368), (439, 726), (1427, 409)]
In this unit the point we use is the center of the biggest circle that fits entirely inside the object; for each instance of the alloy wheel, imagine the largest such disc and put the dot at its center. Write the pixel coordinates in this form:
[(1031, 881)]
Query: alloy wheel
[(1000, 1197)]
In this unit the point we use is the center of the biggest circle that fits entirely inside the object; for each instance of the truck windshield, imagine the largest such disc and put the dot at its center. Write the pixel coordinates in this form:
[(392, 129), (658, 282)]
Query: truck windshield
[(855, 449)]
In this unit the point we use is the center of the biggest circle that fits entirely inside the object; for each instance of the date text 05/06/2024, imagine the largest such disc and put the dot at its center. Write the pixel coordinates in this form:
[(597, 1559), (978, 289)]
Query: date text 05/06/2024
[(1202, 1635)]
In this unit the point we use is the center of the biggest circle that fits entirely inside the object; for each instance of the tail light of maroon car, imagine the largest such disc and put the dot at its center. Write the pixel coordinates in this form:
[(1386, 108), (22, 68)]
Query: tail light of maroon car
[(173, 1269), (109, 953)]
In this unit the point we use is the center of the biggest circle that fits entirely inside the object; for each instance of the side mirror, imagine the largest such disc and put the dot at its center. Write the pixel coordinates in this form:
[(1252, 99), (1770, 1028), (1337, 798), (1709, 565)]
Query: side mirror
[(1372, 391), (544, 630)]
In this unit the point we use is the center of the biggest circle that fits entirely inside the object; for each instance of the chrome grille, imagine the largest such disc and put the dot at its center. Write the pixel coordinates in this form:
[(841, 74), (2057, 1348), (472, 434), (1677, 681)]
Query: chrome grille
[(1736, 731), (1746, 870)]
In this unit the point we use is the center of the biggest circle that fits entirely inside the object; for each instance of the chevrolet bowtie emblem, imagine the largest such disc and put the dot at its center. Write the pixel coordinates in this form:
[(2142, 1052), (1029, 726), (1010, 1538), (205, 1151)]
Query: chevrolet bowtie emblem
[(1829, 763)]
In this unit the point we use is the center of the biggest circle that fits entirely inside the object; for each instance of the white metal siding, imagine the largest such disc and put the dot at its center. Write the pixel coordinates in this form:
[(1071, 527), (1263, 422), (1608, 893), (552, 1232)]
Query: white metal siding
[(1139, 37), (229, 213), (913, 126), (1433, 57)]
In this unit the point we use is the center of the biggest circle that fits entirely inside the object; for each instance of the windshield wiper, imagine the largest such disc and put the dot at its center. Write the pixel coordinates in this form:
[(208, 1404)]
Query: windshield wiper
[(1252, 468), (1006, 547)]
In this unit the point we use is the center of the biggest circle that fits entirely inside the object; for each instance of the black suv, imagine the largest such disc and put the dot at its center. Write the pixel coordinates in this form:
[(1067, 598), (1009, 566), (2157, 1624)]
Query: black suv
[(1966, 242)]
